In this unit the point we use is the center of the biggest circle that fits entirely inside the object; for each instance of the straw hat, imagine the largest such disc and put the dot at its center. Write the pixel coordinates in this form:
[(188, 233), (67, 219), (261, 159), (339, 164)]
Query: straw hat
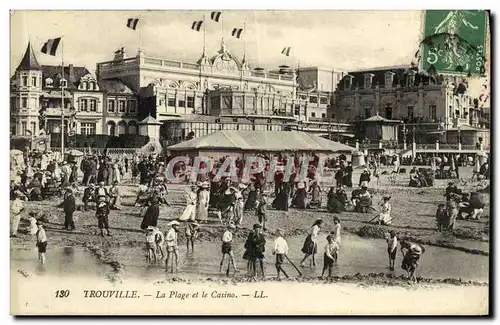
[(150, 228), (174, 223), (416, 249), (256, 226)]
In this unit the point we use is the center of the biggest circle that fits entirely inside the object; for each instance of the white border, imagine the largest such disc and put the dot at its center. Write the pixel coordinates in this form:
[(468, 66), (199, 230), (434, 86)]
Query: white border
[(185, 4)]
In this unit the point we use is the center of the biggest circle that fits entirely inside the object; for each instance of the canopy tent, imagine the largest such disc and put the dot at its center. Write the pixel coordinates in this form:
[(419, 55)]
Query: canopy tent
[(270, 141)]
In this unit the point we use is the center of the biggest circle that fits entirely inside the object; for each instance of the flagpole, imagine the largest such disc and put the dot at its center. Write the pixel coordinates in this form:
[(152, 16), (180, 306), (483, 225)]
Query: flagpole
[(293, 75), (257, 34), (140, 36), (244, 38), (222, 25), (204, 33), (62, 96)]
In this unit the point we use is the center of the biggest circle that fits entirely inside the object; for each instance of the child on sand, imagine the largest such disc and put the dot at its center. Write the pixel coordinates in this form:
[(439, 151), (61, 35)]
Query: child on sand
[(192, 231), (392, 248), (41, 242), (280, 250), (441, 217), (261, 210), (227, 240), (151, 243), (330, 256)]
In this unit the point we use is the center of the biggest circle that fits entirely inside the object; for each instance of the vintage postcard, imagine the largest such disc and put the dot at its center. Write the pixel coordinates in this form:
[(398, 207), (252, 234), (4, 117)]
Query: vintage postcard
[(219, 162)]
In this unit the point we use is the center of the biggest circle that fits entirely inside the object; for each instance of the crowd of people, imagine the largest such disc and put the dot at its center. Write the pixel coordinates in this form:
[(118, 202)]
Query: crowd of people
[(36, 176)]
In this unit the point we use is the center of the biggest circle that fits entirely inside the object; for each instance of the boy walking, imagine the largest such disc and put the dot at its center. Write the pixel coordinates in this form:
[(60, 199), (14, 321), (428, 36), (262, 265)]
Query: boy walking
[(102, 214), (191, 234), (280, 250), (151, 243), (41, 242), (227, 240), (392, 248), (172, 246), (262, 211), (330, 256)]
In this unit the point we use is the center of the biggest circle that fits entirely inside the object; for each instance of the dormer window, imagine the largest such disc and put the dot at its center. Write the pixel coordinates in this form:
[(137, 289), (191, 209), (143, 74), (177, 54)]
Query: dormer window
[(84, 85), (91, 85), (389, 79), (368, 80), (410, 78), (348, 82), (49, 82), (63, 83)]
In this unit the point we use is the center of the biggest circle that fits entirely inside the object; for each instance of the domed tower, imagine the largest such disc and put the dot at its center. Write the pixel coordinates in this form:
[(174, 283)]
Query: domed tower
[(26, 95)]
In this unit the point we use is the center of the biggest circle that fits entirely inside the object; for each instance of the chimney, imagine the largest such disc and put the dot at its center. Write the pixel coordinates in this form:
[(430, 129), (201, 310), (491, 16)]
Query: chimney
[(71, 76)]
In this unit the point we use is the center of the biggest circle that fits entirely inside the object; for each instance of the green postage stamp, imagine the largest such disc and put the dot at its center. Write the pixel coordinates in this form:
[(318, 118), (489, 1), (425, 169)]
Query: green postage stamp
[(454, 41)]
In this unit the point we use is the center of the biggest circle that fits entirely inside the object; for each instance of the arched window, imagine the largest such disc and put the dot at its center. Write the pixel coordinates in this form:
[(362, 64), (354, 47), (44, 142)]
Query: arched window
[(49, 82), (111, 128), (122, 127), (132, 127), (84, 85)]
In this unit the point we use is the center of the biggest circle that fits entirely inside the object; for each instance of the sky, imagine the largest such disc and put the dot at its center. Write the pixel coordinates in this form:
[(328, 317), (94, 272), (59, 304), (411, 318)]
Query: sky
[(346, 40)]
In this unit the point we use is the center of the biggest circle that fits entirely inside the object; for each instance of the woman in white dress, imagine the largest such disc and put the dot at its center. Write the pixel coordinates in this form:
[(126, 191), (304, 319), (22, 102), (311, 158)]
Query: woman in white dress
[(337, 228), (116, 172), (310, 247), (190, 210), (203, 200), (384, 218)]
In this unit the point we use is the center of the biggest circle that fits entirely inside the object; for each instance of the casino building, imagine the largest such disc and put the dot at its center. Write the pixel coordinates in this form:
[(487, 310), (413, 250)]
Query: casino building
[(222, 92)]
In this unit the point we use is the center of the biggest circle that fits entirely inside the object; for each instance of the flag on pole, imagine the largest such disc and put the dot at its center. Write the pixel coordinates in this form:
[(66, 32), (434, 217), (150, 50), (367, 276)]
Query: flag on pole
[(197, 25), (237, 32), (215, 15), (132, 23), (50, 47), (286, 51)]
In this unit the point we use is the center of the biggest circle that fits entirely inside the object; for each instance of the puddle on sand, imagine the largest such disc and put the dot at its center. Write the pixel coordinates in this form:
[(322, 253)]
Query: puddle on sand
[(356, 255), (363, 255), (63, 261)]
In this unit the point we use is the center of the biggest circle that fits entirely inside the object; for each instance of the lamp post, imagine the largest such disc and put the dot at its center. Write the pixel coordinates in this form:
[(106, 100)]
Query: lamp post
[(459, 138), (405, 132)]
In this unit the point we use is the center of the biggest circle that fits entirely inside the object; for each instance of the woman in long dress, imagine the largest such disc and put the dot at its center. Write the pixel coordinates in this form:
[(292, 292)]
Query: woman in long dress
[(152, 213), (310, 246), (250, 203), (300, 199), (203, 200), (281, 202), (315, 191), (190, 210)]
